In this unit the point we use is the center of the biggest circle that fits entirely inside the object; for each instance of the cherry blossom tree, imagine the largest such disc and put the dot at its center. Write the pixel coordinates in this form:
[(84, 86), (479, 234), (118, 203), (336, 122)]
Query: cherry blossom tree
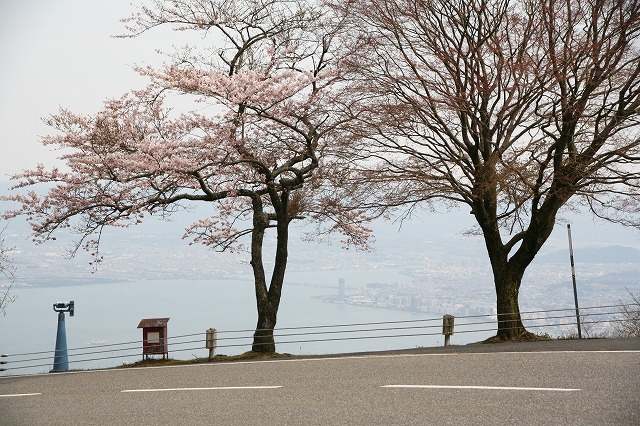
[(247, 122), (515, 109)]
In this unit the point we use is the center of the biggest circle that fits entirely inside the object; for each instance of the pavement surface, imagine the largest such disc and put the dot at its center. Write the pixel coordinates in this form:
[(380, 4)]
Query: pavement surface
[(579, 382)]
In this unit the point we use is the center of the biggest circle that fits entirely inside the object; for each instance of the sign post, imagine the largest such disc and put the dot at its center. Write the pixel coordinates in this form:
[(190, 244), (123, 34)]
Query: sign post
[(573, 276)]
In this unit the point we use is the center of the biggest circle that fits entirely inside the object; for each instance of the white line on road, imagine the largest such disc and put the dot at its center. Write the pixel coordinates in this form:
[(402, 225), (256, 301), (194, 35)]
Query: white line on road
[(482, 388), (19, 394), (199, 389)]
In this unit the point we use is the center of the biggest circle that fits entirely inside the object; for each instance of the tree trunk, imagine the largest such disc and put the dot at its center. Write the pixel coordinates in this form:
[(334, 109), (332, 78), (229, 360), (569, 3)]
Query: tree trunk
[(268, 303), (508, 272), (510, 325), (263, 340), (268, 299)]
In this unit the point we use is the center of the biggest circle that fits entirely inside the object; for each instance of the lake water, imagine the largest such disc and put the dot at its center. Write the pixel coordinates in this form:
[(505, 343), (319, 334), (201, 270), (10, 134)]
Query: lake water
[(107, 314)]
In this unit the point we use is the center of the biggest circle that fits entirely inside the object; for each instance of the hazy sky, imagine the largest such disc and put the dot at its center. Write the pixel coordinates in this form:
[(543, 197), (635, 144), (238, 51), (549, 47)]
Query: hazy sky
[(57, 53)]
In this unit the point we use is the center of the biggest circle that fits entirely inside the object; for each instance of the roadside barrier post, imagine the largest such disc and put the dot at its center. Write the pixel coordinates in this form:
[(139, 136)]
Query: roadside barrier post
[(212, 341), (447, 328)]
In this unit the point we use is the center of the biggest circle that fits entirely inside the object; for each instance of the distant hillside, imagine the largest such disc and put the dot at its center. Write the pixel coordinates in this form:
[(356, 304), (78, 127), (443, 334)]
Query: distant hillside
[(611, 254)]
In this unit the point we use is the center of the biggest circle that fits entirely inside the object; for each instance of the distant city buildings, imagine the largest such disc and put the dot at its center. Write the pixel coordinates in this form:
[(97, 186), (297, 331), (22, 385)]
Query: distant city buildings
[(439, 279)]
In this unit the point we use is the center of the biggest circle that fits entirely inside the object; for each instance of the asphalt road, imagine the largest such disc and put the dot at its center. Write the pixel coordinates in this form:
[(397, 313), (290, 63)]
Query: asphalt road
[(592, 382)]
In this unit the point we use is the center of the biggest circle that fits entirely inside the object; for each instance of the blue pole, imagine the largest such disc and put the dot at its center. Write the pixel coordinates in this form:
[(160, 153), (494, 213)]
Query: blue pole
[(61, 358)]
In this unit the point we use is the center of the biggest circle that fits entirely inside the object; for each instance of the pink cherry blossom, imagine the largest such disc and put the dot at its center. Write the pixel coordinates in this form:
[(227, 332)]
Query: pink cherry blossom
[(255, 147)]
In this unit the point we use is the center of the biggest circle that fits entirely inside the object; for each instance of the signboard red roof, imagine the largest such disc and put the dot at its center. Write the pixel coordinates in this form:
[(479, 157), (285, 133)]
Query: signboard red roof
[(153, 322)]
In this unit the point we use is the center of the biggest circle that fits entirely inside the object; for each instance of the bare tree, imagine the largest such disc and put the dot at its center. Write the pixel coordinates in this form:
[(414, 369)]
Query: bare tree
[(514, 108), (8, 275), (629, 325)]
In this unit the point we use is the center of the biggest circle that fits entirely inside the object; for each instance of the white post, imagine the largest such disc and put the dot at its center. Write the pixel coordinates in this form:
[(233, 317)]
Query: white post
[(212, 341)]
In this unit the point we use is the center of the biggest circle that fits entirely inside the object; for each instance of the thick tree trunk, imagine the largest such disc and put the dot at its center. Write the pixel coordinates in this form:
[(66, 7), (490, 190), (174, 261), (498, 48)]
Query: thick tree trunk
[(263, 340), (268, 303), (510, 325), (507, 278), (508, 272), (268, 299)]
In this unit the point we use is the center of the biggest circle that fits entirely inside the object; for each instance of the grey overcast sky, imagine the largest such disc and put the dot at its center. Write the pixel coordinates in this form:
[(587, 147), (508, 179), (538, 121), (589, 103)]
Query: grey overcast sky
[(57, 53)]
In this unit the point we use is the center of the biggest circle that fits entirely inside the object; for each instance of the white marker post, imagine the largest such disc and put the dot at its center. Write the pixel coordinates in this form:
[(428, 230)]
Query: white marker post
[(212, 341)]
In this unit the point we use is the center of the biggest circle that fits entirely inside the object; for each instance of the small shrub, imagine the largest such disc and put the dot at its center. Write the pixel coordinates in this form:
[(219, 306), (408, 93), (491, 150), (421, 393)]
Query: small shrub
[(629, 326)]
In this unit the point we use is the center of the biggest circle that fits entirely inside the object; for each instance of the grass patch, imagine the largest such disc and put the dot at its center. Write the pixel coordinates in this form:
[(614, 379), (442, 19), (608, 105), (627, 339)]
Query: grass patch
[(524, 337), (247, 356)]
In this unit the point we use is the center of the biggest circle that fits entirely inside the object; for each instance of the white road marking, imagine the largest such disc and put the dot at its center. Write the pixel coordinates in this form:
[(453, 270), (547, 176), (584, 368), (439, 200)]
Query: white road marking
[(482, 388), (19, 394), (199, 389)]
